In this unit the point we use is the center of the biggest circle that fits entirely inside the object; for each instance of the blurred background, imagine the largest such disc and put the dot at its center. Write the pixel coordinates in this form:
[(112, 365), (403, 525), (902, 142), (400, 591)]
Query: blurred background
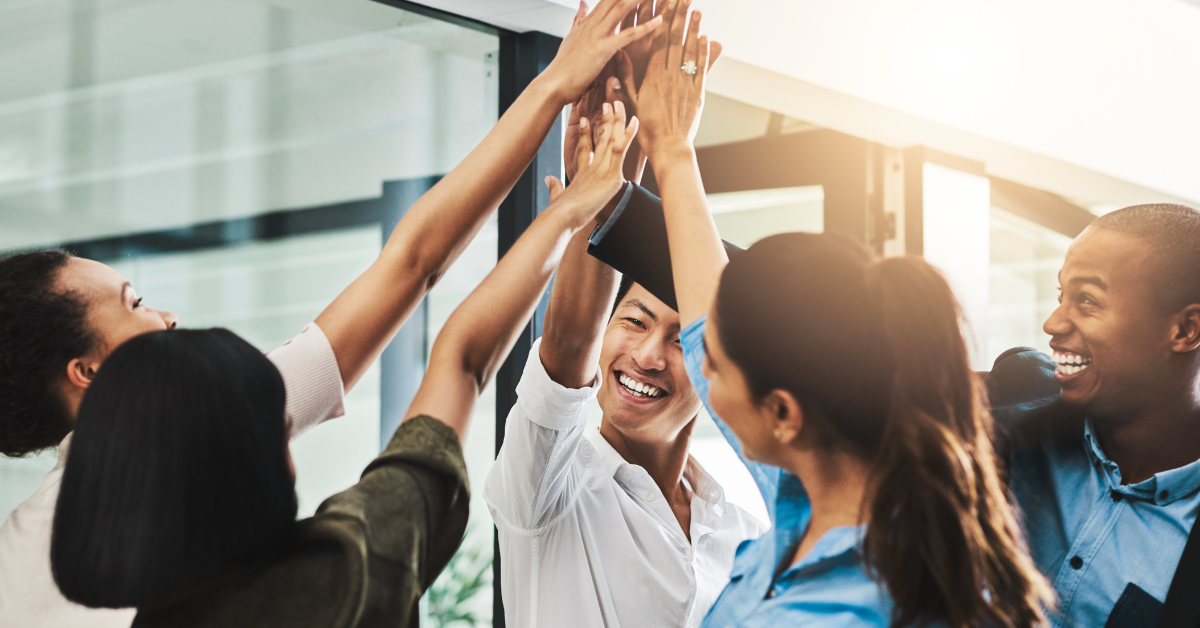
[(241, 161)]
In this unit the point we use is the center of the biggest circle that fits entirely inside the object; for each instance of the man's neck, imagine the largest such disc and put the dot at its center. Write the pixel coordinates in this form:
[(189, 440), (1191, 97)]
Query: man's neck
[(664, 458), (1163, 437)]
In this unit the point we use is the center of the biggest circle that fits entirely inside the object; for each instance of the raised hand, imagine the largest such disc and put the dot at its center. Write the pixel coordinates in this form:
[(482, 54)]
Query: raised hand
[(593, 40), (587, 107), (670, 97), (637, 53), (607, 88), (598, 169)]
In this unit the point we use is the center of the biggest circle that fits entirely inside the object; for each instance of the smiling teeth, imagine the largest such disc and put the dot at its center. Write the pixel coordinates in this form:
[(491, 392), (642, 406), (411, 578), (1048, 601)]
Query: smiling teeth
[(638, 388), (1070, 363)]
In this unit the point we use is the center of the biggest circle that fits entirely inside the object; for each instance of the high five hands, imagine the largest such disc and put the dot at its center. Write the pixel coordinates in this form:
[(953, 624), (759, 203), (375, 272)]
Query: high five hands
[(623, 76), (593, 40), (669, 96), (597, 168)]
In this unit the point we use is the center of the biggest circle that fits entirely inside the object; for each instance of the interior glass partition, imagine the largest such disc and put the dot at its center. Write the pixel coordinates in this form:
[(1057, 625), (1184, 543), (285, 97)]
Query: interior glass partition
[(1025, 260)]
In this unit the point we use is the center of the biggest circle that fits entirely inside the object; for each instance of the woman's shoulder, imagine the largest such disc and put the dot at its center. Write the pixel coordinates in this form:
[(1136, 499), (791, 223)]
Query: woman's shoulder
[(315, 585)]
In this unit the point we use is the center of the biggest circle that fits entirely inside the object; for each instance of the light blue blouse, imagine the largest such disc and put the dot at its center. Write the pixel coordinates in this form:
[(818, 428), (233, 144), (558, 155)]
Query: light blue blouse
[(829, 587)]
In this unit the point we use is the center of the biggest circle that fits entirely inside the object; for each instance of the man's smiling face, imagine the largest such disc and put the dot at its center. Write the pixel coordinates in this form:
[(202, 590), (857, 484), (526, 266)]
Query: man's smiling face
[(1111, 332), (646, 391)]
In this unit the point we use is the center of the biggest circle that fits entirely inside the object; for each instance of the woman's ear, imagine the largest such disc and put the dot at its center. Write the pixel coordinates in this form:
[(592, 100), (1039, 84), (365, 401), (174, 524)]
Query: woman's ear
[(786, 414), (79, 375), (81, 372)]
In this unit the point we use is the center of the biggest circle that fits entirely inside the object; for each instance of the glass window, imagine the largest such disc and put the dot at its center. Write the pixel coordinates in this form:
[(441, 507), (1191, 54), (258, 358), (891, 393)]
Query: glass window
[(744, 218), (1025, 260), (136, 115), (133, 117)]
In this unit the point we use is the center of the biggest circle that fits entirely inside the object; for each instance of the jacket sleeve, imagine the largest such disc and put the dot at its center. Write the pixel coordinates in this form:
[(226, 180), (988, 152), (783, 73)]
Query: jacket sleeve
[(1021, 381), (404, 520), (634, 242)]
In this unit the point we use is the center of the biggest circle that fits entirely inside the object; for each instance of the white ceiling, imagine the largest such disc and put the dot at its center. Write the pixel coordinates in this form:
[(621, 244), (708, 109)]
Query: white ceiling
[(1096, 99)]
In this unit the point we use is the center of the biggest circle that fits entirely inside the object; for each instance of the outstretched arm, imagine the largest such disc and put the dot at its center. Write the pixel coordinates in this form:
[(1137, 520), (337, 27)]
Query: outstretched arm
[(579, 305), (362, 320), (672, 101), (481, 332)]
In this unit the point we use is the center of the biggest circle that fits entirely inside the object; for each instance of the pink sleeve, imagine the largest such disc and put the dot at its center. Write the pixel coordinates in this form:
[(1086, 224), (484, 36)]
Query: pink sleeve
[(312, 379)]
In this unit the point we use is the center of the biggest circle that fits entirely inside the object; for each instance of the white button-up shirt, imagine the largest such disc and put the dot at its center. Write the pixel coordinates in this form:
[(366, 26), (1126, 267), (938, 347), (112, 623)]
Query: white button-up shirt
[(28, 596), (587, 539)]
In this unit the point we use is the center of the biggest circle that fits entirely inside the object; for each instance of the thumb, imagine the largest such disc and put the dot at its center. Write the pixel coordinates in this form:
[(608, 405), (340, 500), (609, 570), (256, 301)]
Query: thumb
[(556, 187), (625, 75)]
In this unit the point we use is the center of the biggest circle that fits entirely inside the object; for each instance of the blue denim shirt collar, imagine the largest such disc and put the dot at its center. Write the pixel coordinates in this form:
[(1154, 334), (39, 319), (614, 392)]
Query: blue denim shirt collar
[(1164, 487)]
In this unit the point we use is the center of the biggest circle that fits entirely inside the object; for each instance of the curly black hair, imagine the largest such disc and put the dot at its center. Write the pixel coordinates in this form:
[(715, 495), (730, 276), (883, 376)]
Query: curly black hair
[(41, 330)]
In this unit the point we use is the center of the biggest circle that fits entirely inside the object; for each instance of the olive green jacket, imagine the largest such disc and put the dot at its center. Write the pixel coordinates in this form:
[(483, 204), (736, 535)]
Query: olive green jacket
[(363, 560)]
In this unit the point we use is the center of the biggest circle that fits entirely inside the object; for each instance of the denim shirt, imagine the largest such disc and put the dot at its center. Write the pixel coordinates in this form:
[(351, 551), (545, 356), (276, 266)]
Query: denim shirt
[(1109, 549), (829, 587)]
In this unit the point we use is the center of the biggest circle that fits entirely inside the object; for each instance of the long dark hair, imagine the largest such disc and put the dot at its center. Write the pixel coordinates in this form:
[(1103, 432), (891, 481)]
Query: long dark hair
[(874, 352), (42, 328), (177, 471)]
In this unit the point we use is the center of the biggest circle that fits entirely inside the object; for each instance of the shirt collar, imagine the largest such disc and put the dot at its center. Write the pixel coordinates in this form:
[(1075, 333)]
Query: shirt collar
[(1162, 488), (63, 445), (702, 484), (835, 543)]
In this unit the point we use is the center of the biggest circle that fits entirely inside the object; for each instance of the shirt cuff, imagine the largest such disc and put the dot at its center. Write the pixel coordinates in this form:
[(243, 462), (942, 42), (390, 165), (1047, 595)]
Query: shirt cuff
[(599, 232), (312, 379), (692, 339), (547, 403)]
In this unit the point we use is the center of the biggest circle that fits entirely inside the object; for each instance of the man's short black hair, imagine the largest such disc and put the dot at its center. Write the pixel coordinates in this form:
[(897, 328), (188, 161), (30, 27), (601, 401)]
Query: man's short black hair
[(622, 290), (1173, 232), (41, 330)]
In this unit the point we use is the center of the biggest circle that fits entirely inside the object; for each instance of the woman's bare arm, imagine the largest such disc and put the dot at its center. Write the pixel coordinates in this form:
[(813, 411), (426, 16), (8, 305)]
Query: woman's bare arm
[(669, 104), (362, 320), (481, 332)]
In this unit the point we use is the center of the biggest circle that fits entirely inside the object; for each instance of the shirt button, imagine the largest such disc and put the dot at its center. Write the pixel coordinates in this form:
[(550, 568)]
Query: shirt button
[(649, 497), (1163, 494), (1115, 495), (1076, 562), (628, 473)]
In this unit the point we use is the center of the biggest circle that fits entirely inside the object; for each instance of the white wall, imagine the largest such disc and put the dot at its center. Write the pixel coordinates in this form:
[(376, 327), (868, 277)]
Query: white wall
[(1094, 99)]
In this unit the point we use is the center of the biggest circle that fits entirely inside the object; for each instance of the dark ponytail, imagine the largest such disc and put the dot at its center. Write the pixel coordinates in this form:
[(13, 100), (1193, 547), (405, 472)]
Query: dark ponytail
[(875, 355), (943, 535)]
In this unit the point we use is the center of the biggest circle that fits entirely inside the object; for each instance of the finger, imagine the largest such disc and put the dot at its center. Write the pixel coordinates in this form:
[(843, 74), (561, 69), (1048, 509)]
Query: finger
[(580, 14), (613, 136), (702, 61), (577, 109), (662, 38), (605, 127), (714, 52), (646, 10), (629, 20), (678, 26), (613, 11), (691, 42), (624, 74), (641, 30), (622, 147), (612, 90), (556, 187), (583, 148)]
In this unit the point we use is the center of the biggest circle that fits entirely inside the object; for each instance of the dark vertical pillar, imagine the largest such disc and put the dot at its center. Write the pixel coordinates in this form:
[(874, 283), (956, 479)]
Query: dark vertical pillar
[(522, 57), (402, 365)]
